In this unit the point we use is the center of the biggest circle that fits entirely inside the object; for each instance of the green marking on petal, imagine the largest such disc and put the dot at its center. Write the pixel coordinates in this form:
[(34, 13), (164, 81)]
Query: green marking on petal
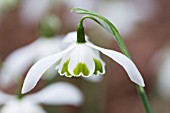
[(65, 68), (98, 66), (81, 68)]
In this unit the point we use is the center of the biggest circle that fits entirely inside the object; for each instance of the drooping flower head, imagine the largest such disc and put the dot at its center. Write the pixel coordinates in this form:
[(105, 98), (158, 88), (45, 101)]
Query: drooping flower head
[(80, 59)]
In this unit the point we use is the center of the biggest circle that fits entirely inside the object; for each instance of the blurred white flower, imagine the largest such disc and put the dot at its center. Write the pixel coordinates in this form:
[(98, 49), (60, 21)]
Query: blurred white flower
[(33, 10), (60, 93), (80, 59), (20, 106), (18, 62), (164, 73), (5, 97)]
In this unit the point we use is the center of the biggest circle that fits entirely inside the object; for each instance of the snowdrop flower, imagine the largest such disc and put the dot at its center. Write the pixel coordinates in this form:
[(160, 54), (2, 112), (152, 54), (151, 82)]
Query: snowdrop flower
[(24, 57), (71, 38), (80, 59), (60, 93)]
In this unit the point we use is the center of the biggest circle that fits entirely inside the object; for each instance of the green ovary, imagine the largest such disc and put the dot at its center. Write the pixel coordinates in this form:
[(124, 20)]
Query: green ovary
[(65, 68), (81, 68), (98, 66)]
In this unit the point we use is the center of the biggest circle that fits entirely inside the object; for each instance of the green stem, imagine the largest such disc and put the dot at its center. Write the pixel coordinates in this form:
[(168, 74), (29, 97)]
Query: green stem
[(80, 34), (105, 23), (80, 29), (144, 99)]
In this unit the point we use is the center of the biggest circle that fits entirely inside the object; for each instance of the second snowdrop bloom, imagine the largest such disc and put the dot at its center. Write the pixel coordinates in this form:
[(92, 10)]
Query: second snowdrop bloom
[(24, 57), (60, 93), (80, 59)]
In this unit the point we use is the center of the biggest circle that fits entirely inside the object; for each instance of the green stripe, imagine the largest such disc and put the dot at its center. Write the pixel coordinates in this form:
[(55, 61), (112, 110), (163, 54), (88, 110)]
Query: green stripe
[(81, 68), (98, 66)]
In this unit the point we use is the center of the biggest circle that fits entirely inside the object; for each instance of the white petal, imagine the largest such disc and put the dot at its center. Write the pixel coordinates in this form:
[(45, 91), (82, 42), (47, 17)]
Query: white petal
[(125, 62), (39, 68), (82, 54), (4, 98), (50, 73), (60, 93)]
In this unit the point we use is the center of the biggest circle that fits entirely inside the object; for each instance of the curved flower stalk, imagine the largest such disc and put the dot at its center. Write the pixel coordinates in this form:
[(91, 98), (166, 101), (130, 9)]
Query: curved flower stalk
[(80, 59), (60, 93), (24, 57)]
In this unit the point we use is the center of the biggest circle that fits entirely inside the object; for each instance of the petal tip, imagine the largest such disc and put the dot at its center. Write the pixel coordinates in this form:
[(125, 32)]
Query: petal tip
[(140, 83), (143, 84), (23, 91), (26, 88)]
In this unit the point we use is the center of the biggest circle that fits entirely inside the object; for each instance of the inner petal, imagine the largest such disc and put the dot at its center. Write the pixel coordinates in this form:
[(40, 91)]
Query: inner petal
[(81, 62)]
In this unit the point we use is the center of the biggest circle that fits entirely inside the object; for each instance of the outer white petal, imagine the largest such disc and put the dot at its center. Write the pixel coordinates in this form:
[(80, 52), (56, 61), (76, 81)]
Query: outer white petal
[(21, 106), (4, 98), (125, 62), (39, 68), (82, 54), (60, 93)]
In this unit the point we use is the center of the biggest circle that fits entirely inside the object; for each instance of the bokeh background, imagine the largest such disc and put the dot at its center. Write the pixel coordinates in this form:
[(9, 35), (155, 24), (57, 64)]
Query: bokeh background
[(144, 26)]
